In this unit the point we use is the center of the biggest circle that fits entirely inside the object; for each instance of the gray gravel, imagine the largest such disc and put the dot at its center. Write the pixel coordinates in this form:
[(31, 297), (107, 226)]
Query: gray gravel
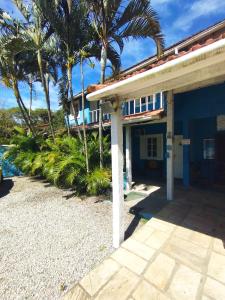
[(49, 241)]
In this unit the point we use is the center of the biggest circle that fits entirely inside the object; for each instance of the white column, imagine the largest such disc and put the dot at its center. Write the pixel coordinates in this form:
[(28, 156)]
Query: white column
[(128, 158), (117, 177), (170, 154)]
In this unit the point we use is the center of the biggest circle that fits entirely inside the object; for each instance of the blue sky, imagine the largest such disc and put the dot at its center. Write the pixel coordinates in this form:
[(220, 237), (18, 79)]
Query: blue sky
[(179, 19)]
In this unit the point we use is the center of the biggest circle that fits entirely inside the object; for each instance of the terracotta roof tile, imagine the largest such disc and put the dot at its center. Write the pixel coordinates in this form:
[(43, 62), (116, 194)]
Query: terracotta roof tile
[(207, 40)]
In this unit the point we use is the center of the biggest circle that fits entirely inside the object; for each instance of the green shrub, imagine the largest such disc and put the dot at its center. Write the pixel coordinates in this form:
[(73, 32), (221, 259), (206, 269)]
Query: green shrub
[(62, 162), (98, 181)]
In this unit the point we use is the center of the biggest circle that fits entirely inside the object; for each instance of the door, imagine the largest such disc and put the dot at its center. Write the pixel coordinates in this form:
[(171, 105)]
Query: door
[(178, 156)]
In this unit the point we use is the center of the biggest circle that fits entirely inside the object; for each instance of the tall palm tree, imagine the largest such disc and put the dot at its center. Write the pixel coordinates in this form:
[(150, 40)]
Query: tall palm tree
[(116, 21), (67, 19), (38, 34), (11, 73), (12, 53)]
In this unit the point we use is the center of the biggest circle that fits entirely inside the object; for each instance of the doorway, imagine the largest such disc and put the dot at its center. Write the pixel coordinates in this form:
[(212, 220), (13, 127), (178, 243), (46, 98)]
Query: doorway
[(178, 157)]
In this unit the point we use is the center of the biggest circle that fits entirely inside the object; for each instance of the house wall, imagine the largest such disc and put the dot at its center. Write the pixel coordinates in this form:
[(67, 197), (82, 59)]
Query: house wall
[(80, 116), (195, 117)]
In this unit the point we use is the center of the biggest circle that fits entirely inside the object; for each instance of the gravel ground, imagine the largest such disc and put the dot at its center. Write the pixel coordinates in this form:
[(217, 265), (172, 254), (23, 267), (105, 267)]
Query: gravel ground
[(48, 240)]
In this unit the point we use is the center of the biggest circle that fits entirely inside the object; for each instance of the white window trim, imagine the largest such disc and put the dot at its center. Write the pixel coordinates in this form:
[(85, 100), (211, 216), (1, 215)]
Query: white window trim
[(143, 146)]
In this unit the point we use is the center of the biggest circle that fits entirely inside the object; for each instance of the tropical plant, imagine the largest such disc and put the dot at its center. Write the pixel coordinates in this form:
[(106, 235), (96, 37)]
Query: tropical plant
[(61, 162), (37, 33), (69, 22), (98, 182), (116, 21), (12, 69)]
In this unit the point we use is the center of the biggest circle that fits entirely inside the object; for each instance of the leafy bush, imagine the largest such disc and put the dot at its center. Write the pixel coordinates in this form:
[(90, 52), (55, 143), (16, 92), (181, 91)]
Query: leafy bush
[(62, 162), (98, 181)]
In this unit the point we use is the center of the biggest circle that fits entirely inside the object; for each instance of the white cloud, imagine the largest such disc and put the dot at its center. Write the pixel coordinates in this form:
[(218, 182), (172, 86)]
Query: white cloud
[(200, 8), (137, 50)]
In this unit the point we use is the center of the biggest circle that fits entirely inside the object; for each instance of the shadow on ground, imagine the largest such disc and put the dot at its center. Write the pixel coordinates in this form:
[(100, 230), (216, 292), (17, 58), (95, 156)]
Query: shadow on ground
[(197, 209), (5, 187)]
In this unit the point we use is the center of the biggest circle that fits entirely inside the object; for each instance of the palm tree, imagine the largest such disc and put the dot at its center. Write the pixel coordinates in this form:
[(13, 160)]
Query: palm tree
[(116, 21), (67, 19), (12, 51), (38, 34)]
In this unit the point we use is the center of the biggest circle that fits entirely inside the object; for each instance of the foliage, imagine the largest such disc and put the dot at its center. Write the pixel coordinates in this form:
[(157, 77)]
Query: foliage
[(98, 181), (62, 163)]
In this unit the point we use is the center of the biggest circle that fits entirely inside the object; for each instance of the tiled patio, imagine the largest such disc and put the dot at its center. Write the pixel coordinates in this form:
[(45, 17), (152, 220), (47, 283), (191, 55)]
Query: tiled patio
[(178, 254)]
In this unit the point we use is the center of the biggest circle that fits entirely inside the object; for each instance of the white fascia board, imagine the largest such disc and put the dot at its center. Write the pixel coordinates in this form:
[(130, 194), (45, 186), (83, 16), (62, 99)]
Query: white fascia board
[(145, 79)]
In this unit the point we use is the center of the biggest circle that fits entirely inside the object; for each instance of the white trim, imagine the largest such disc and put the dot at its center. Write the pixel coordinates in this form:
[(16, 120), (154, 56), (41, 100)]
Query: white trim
[(154, 76)]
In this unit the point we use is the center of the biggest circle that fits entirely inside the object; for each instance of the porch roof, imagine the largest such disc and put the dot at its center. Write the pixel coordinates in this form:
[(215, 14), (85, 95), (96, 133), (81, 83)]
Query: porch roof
[(183, 72)]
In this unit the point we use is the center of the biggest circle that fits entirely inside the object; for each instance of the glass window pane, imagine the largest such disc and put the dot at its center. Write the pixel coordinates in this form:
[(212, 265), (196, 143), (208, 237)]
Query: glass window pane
[(143, 104), (137, 106), (150, 103), (157, 100), (209, 149), (132, 107)]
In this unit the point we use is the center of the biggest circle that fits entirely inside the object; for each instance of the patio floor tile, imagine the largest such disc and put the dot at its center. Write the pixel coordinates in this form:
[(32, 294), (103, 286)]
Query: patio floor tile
[(77, 293), (99, 276), (129, 260), (143, 234), (219, 246), (214, 289), (216, 267), (146, 291), (157, 239), (139, 248), (120, 286), (185, 257), (185, 284), (182, 260), (189, 246), (161, 225), (160, 271)]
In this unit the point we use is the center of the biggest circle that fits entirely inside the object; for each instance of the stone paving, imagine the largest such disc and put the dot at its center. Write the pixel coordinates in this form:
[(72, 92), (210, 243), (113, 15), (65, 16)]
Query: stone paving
[(178, 254)]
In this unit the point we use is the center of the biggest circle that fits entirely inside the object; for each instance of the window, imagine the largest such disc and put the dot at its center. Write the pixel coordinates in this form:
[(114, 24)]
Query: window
[(150, 103), (151, 147), (137, 106), (143, 104), (209, 149), (75, 108)]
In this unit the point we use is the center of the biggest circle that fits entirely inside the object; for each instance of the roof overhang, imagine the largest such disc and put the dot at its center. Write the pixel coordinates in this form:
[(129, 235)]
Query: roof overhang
[(199, 68)]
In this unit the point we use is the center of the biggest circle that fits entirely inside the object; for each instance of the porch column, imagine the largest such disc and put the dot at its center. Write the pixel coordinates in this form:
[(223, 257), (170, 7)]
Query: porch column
[(128, 158), (170, 152), (186, 155), (117, 177)]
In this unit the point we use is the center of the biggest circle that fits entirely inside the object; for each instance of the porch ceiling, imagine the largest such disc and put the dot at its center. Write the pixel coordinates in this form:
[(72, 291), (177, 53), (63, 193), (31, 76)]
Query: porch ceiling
[(203, 67)]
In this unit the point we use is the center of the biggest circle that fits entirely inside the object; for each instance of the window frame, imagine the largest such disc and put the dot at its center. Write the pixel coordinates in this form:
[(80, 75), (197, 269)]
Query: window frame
[(144, 140)]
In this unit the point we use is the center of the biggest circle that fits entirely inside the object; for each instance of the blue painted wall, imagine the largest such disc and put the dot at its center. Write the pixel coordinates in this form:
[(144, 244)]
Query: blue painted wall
[(199, 110), (80, 117)]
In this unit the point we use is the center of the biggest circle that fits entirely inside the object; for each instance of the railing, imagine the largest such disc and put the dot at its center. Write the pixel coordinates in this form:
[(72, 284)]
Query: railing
[(132, 107), (94, 116)]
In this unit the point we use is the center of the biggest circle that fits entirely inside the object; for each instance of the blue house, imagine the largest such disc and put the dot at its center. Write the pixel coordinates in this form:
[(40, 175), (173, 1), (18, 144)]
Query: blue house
[(197, 131)]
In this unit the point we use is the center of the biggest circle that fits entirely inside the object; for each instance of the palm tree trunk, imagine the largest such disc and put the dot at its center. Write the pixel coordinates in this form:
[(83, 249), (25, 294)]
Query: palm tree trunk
[(83, 103), (39, 58), (22, 107), (69, 75), (103, 67), (67, 124), (31, 97)]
